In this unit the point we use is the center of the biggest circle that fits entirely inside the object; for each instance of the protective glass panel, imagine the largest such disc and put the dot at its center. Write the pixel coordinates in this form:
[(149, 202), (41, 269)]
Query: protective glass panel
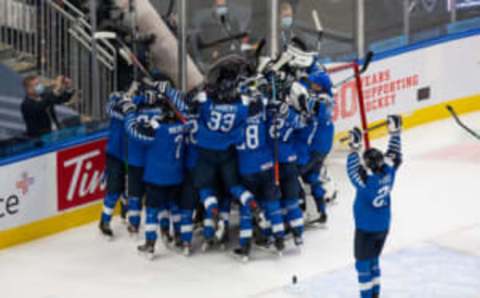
[(218, 28), (336, 19)]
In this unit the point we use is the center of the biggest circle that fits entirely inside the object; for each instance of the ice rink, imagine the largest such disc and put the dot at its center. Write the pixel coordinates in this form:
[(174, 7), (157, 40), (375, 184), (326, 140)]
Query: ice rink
[(433, 248)]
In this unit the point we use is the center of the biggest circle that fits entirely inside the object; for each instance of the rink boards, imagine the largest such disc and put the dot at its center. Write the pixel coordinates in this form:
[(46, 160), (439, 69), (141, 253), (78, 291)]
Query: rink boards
[(55, 190)]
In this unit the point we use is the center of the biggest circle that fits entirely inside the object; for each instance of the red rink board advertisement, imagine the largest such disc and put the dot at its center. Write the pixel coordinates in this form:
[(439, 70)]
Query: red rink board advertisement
[(80, 172)]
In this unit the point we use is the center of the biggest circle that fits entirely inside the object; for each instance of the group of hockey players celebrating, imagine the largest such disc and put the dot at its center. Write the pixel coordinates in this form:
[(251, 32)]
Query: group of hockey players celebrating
[(250, 137)]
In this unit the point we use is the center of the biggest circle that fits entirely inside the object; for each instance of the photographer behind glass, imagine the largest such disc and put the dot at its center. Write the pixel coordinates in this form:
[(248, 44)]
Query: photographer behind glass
[(38, 106)]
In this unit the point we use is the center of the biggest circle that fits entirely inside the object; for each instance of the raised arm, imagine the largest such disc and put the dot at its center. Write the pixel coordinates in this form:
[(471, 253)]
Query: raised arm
[(112, 108), (394, 151), (143, 132), (355, 171)]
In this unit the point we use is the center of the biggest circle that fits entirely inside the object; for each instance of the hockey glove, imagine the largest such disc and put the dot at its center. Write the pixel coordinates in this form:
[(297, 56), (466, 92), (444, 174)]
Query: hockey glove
[(355, 139), (154, 124), (394, 123), (150, 97), (200, 97), (126, 105), (162, 86)]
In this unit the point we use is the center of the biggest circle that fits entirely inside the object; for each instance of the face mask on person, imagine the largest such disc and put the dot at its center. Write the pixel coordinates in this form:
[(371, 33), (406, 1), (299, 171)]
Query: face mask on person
[(221, 10), (39, 89), (287, 22)]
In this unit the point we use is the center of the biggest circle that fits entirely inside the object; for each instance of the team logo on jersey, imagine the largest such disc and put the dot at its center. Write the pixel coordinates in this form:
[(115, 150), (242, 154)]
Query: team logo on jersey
[(429, 5), (81, 172)]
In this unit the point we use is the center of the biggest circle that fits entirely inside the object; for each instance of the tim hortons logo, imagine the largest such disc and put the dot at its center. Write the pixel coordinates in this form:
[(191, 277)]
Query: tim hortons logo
[(80, 172)]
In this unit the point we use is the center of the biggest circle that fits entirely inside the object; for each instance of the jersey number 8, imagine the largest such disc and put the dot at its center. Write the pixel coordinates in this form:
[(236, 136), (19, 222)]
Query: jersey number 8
[(251, 138)]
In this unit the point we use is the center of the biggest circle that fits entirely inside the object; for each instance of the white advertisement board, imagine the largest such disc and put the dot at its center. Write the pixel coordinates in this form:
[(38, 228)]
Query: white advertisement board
[(28, 191), (410, 81)]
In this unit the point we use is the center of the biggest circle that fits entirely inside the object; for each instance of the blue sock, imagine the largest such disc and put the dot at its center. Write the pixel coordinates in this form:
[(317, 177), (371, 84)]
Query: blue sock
[(242, 195), (164, 218), (134, 211), (294, 216), (151, 224), (376, 274), (176, 217), (109, 206), (210, 203), (245, 225), (186, 228), (318, 191), (274, 215), (364, 278)]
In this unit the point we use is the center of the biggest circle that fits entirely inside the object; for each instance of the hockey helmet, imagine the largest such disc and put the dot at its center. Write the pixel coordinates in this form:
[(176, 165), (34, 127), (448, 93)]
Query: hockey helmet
[(319, 82), (374, 160), (225, 75)]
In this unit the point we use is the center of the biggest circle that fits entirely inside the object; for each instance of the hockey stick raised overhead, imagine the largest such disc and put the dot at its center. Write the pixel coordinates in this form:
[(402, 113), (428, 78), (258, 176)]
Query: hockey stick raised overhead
[(460, 123), (369, 129), (366, 64)]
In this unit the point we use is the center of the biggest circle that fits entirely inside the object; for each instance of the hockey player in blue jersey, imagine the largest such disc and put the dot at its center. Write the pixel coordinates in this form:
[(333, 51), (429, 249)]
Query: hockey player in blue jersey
[(164, 165), (147, 109), (221, 122), (256, 161), (316, 139), (373, 183), (285, 120), (189, 195), (115, 167)]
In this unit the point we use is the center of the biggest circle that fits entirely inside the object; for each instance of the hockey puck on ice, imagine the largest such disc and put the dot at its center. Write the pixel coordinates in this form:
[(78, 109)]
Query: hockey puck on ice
[(294, 279)]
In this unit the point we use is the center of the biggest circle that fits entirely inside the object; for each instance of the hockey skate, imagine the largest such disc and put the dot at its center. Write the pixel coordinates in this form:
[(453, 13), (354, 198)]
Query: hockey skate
[(297, 239), (147, 249), (106, 230), (208, 244), (186, 249), (166, 237), (242, 253), (320, 222), (132, 230), (264, 242), (279, 246)]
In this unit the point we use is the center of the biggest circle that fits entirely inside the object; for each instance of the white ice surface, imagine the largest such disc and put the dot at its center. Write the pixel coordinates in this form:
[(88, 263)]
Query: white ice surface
[(434, 245)]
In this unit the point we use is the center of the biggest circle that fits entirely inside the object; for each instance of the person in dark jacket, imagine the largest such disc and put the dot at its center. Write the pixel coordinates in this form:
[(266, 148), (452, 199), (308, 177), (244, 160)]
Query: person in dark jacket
[(38, 106)]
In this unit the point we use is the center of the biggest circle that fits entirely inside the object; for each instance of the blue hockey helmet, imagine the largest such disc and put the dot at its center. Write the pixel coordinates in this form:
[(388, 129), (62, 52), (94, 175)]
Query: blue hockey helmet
[(319, 81)]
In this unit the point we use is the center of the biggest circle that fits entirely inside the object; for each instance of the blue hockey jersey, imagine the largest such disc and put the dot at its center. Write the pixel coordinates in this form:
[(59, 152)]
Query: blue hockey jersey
[(191, 143), (116, 143), (136, 148), (164, 153), (255, 154), (372, 206), (219, 125), (303, 139), (322, 140), (283, 129)]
